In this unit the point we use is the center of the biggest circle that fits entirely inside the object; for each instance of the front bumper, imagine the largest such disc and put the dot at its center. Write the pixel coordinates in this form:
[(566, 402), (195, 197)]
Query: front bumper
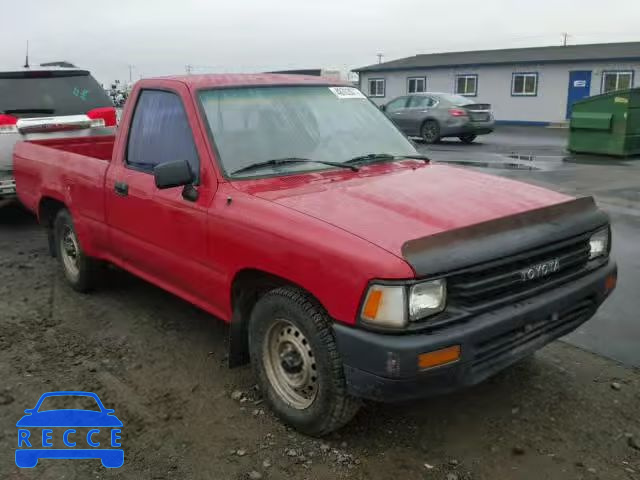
[(385, 367)]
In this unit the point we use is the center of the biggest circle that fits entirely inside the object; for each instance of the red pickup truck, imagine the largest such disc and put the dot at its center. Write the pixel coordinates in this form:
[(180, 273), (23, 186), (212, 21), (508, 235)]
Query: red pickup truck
[(347, 264)]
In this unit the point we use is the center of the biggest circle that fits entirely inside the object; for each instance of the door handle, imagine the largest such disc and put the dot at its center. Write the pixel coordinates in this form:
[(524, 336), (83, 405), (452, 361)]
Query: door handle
[(121, 189)]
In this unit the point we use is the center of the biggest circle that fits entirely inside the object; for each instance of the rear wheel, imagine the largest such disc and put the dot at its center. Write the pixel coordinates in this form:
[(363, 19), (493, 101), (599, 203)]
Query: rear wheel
[(297, 364), (80, 270), (467, 138), (430, 131)]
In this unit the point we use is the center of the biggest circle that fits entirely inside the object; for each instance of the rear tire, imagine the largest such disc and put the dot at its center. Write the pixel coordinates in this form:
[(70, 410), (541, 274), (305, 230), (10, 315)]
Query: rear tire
[(430, 131), (297, 364), (80, 270), (468, 138)]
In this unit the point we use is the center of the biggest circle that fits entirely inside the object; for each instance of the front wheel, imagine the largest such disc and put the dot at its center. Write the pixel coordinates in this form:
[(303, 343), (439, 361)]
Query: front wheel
[(467, 138), (430, 131), (297, 364), (80, 270)]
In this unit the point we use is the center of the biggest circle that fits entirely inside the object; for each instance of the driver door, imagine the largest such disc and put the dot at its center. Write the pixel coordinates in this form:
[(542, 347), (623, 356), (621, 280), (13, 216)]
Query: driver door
[(155, 233), (417, 110)]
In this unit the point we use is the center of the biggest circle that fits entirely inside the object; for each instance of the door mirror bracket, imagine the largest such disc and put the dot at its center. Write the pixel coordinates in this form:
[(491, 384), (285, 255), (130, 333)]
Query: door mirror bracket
[(190, 193)]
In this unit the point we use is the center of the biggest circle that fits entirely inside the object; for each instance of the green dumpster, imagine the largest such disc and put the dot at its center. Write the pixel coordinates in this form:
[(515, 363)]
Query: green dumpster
[(607, 124)]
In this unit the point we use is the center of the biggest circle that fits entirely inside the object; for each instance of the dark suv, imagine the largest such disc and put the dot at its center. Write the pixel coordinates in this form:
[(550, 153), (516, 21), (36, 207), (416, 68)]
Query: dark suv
[(48, 102)]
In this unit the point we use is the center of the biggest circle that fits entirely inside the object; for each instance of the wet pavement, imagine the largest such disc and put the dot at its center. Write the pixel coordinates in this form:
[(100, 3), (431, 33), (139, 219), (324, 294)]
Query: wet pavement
[(537, 155)]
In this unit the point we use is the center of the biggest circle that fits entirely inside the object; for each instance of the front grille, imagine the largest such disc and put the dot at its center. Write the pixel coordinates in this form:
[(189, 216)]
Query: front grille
[(502, 279), (498, 351)]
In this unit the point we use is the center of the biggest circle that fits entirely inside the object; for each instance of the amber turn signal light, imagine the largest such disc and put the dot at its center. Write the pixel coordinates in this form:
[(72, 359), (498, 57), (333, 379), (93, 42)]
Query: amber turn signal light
[(439, 357), (372, 304)]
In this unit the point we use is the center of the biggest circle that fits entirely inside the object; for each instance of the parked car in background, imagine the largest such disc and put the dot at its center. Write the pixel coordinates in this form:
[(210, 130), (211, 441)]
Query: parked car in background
[(47, 103), (433, 116)]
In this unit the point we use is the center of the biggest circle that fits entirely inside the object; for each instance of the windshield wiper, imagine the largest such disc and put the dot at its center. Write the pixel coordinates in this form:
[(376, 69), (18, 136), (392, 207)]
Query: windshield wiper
[(380, 157), (29, 110), (289, 160)]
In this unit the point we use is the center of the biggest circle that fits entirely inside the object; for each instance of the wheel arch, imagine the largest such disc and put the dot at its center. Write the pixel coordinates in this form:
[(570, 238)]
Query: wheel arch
[(427, 119), (247, 287), (48, 208)]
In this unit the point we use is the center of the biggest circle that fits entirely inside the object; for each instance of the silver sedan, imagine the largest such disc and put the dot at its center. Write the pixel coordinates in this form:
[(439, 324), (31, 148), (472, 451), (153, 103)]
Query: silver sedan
[(432, 116)]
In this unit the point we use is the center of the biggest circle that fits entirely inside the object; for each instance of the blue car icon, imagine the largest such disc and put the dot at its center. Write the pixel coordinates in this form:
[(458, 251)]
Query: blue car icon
[(29, 452)]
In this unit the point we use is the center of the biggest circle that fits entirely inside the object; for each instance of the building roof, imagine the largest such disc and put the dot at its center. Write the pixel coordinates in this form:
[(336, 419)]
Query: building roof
[(570, 53)]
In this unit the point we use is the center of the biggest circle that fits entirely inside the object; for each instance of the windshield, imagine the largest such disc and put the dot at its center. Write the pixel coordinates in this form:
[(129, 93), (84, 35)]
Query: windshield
[(47, 94), (257, 124)]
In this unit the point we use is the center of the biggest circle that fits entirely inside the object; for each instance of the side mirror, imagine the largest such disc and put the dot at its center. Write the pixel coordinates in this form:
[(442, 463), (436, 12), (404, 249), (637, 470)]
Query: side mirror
[(383, 107), (173, 174), (109, 411)]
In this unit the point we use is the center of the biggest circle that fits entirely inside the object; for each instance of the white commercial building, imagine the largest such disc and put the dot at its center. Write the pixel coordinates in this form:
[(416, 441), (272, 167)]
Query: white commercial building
[(524, 85)]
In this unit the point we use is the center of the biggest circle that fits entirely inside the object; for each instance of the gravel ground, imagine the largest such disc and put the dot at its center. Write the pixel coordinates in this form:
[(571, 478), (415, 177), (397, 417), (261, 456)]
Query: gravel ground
[(160, 363)]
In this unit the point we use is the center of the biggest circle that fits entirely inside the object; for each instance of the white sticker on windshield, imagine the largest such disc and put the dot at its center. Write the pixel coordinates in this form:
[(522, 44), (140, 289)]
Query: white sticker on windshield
[(347, 92)]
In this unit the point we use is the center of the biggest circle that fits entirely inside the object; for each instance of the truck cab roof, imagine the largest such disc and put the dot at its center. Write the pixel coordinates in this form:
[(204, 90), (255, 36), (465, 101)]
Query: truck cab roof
[(243, 80)]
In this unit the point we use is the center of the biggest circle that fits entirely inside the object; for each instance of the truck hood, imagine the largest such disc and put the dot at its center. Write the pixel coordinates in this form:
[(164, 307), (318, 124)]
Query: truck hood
[(392, 203)]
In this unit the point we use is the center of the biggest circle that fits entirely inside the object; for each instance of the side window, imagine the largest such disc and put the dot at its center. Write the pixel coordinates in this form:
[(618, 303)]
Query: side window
[(397, 104), (376, 87), (612, 81), (524, 84), (467, 85), (420, 101), (416, 84), (160, 133)]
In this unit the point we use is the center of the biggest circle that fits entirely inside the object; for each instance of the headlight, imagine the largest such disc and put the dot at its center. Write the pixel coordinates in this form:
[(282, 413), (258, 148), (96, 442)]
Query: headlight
[(427, 298), (386, 305), (599, 244)]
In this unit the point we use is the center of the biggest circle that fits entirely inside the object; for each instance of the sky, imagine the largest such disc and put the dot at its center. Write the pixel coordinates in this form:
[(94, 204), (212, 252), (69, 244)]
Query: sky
[(161, 37)]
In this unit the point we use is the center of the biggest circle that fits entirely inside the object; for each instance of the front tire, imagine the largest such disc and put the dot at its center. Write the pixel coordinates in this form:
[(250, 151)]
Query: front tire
[(80, 270), (296, 361), (430, 131), (467, 138)]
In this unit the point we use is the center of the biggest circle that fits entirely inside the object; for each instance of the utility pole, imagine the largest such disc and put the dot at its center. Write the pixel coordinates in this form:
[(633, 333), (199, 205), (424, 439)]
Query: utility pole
[(26, 59), (379, 55), (130, 73), (565, 36)]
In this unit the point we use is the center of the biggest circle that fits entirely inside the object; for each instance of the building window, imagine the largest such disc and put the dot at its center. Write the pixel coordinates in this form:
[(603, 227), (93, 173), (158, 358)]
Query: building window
[(467, 85), (524, 84), (612, 81), (417, 85), (376, 87)]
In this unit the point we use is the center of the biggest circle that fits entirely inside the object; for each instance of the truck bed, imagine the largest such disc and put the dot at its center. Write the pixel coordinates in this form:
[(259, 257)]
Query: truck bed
[(66, 170), (96, 147)]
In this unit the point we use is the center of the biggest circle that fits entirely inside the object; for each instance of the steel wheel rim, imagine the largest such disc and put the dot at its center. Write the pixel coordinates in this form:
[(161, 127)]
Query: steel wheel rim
[(70, 252), (290, 364)]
